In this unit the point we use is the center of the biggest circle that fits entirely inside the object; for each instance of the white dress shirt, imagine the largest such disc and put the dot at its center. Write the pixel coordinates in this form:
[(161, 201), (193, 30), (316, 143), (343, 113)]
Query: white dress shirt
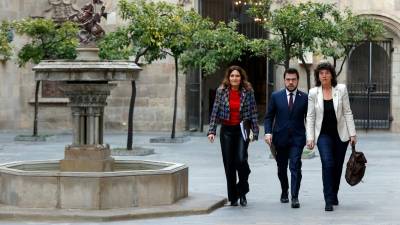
[(288, 95)]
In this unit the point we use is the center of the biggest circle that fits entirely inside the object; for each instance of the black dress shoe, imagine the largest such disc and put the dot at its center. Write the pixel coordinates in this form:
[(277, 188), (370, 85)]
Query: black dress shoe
[(328, 207), (234, 203), (284, 198), (295, 203), (335, 201), (243, 200)]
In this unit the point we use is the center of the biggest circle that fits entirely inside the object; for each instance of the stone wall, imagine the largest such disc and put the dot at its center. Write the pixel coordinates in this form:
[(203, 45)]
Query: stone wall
[(154, 102)]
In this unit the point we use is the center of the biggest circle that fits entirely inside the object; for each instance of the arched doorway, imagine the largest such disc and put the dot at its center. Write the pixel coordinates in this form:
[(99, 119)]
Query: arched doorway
[(369, 84)]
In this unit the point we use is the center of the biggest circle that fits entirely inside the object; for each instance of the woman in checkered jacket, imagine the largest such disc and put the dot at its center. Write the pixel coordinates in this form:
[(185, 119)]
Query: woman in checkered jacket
[(235, 103)]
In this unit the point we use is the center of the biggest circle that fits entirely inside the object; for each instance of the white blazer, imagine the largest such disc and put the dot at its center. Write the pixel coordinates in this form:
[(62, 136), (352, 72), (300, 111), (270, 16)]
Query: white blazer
[(315, 113)]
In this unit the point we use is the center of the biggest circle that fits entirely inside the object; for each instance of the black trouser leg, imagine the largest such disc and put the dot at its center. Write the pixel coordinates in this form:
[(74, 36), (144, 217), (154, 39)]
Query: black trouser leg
[(229, 162), (282, 157), (242, 166), (234, 154)]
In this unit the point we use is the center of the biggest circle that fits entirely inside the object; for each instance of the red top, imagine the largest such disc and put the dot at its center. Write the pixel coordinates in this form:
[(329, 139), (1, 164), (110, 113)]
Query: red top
[(234, 108)]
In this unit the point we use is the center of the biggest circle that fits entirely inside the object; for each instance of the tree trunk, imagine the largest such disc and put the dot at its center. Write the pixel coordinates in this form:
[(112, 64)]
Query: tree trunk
[(287, 58), (308, 72), (129, 143), (334, 62), (35, 116), (175, 98), (287, 64), (341, 66)]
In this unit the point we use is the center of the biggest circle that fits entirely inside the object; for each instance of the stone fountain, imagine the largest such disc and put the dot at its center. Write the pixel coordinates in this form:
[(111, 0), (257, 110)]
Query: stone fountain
[(88, 177), (88, 183)]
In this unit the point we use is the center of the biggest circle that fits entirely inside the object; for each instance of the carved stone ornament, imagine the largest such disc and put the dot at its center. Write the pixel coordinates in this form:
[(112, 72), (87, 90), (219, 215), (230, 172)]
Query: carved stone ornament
[(62, 10)]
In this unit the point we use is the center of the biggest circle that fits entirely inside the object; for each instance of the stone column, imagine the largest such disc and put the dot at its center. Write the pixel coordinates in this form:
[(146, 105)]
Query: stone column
[(76, 120), (87, 153)]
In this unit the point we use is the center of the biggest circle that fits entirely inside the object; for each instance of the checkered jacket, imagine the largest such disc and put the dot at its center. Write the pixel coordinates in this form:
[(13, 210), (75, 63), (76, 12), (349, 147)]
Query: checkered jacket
[(248, 109)]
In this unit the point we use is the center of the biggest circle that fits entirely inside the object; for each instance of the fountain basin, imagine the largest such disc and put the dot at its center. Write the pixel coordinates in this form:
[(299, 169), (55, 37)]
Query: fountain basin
[(133, 183)]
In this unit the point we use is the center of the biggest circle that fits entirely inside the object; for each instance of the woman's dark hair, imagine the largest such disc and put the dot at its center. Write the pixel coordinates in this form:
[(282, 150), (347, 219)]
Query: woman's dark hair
[(243, 78), (325, 66)]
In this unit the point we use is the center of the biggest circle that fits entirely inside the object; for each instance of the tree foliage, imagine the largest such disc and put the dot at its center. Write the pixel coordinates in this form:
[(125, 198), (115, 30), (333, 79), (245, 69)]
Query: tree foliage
[(142, 38), (348, 31), (310, 27), (157, 29), (195, 42), (144, 34), (293, 29), (48, 40), (5, 39), (213, 45)]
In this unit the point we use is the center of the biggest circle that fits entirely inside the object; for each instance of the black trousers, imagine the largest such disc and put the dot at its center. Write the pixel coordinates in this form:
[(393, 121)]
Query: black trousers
[(234, 154)]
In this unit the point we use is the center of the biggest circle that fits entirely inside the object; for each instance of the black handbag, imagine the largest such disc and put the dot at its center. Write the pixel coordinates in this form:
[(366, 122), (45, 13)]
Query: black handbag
[(355, 167)]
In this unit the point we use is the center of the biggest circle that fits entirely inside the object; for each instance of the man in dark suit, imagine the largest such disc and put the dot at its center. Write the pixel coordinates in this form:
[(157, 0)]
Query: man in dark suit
[(285, 129)]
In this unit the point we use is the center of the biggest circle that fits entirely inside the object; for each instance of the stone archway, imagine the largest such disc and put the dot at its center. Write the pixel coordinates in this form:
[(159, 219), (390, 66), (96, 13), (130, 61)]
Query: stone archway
[(384, 99), (369, 78)]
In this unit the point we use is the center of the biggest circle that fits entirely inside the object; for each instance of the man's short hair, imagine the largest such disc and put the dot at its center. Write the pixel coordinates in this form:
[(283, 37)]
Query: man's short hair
[(291, 71)]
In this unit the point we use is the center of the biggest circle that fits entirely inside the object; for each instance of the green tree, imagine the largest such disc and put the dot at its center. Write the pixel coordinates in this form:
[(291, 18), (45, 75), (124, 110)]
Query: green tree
[(5, 39), (47, 40), (181, 26), (155, 30), (348, 31), (294, 30), (142, 38), (214, 45), (195, 42)]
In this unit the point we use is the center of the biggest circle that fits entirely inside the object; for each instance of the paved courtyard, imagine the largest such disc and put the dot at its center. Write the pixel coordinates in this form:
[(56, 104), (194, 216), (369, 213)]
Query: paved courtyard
[(375, 201)]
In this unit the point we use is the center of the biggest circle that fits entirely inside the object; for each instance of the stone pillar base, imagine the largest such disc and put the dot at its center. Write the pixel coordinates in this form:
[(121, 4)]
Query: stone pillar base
[(87, 158)]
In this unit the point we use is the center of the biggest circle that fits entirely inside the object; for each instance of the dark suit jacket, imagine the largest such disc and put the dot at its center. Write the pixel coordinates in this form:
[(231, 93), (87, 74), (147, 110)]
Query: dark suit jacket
[(279, 120)]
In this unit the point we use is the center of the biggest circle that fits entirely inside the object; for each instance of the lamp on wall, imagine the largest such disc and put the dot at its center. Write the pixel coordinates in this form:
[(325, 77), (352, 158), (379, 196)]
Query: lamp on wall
[(240, 3)]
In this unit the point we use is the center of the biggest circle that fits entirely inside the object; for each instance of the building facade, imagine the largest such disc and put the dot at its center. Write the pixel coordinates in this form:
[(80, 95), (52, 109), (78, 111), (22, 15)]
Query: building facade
[(372, 74)]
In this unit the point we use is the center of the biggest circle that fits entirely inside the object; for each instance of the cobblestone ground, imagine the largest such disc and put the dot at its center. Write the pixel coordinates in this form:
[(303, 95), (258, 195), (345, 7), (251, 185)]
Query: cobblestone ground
[(375, 201)]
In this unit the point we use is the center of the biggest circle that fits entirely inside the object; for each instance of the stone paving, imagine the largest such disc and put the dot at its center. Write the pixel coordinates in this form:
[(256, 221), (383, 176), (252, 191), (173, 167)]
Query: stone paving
[(375, 201)]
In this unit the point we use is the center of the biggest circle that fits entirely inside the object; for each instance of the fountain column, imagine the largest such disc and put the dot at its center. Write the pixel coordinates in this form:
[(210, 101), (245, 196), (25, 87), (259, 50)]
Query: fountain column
[(87, 85), (87, 102)]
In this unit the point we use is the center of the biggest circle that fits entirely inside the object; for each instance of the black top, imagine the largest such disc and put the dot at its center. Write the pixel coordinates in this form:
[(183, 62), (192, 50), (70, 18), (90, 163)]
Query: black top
[(329, 123)]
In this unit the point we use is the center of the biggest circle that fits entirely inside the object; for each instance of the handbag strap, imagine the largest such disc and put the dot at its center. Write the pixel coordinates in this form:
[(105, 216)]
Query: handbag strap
[(353, 148)]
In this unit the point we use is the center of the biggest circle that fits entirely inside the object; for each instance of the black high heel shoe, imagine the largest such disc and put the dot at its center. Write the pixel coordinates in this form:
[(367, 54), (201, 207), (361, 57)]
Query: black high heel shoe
[(234, 203)]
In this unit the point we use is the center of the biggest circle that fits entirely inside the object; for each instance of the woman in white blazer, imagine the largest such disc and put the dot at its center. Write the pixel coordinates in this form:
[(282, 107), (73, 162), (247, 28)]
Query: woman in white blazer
[(330, 125)]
